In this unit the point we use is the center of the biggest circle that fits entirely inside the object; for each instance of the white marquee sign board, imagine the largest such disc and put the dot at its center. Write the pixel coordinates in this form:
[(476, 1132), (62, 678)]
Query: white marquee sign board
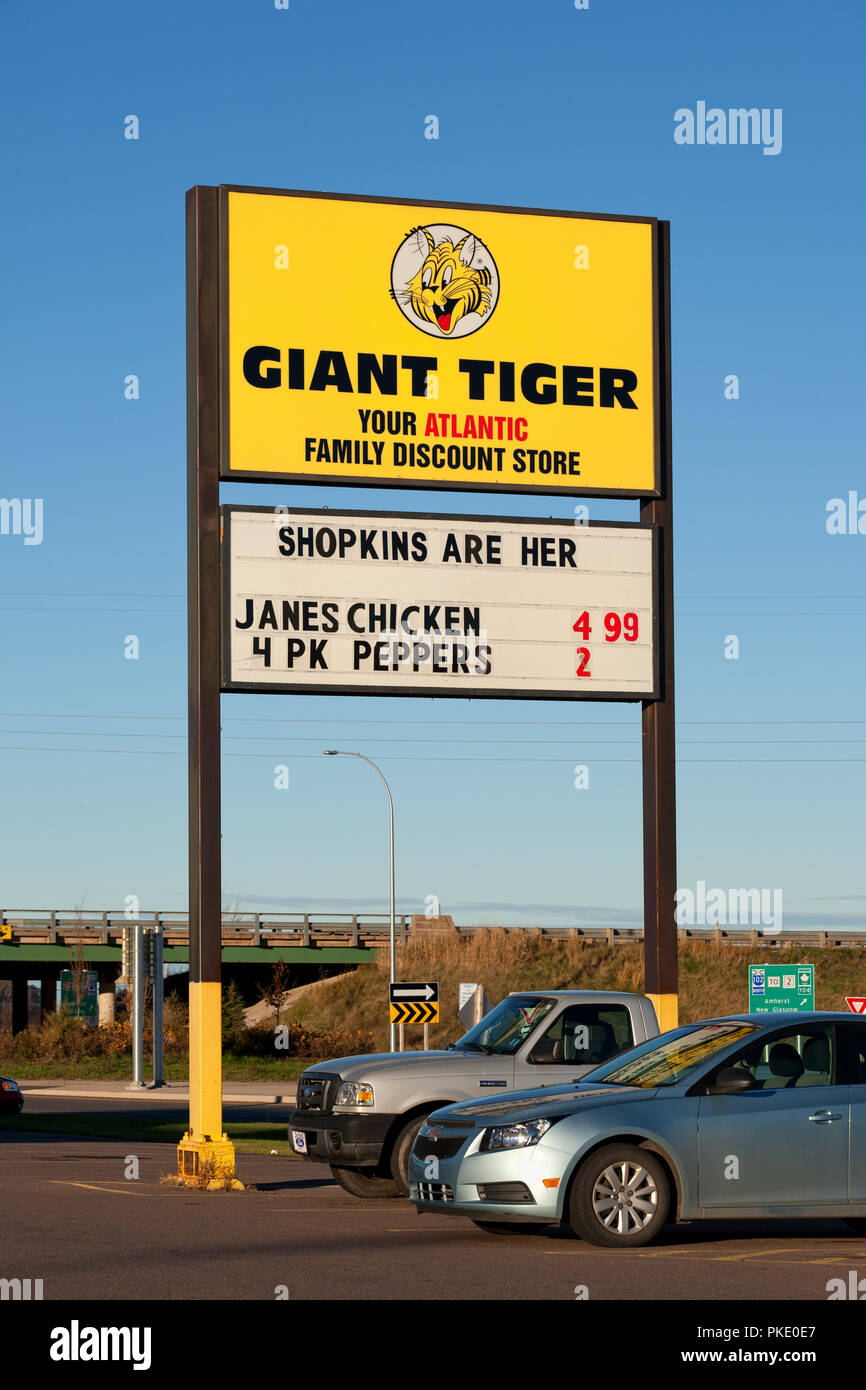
[(374, 603)]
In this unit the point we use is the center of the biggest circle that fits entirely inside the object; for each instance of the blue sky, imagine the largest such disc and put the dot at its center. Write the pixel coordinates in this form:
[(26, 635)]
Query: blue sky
[(542, 106)]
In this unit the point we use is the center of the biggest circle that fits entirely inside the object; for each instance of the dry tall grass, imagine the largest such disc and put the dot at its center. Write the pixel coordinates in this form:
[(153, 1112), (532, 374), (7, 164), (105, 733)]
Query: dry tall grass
[(713, 978)]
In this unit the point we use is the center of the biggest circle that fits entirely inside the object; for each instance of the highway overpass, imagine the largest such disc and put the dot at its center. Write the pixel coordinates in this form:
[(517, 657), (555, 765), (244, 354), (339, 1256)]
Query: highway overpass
[(37, 935), (36, 944)]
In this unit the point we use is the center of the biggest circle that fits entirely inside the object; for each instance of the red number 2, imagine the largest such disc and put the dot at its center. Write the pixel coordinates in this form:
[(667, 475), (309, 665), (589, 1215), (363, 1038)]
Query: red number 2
[(583, 668)]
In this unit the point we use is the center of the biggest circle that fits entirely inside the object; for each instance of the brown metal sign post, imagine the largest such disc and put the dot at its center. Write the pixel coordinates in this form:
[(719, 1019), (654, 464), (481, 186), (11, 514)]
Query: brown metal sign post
[(659, 754), (205, 1150)]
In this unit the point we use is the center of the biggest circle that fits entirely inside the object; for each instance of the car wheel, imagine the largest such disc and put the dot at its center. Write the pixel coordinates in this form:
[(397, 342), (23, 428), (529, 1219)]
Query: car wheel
[(509, 1228), (364, 1182), (620, 1197), (401, 1151)]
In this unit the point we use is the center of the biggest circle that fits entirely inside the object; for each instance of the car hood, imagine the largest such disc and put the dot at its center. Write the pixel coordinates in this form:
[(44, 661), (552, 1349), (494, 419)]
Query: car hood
[(365, 1067), (518, 1106)]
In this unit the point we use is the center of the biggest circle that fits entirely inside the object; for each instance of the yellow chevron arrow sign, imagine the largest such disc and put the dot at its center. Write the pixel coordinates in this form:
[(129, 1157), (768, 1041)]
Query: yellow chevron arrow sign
[(414, 1012)]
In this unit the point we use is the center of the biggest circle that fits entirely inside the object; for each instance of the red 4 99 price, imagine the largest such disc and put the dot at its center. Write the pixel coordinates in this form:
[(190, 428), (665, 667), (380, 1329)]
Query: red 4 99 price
[(616, 627)]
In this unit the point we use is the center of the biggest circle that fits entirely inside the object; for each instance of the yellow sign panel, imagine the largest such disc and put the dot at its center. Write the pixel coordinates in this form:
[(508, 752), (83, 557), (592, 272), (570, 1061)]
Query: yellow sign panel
[(414, 1013), (408, 344)]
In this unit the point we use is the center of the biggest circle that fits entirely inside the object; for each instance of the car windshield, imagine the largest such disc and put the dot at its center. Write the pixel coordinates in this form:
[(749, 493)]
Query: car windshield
[(667, 1060), (508, 1026)]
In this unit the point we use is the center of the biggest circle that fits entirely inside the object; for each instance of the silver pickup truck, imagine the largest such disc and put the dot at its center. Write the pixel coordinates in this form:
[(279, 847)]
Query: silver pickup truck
[(360, 1115)]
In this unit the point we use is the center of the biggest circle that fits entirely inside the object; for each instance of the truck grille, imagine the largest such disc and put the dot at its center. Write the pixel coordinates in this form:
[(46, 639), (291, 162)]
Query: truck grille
[(435, 1192), (315, 1093)]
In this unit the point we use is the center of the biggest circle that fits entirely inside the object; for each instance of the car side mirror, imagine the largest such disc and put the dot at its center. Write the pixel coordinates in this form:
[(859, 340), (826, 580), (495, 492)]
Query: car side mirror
[(729, 1081)]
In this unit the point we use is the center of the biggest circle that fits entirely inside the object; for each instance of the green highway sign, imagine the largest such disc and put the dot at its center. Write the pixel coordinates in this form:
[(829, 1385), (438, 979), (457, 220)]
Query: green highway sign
[(79, 993), (775, 989)]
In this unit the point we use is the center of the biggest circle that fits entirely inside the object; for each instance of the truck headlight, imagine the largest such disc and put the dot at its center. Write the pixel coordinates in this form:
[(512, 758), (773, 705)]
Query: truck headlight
[(514, 1136), (354, 1093)]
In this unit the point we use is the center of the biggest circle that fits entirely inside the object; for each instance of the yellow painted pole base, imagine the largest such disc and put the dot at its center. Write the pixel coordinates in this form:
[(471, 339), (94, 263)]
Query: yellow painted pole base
[(667, 1010), (207, 1163), (205, 1060)]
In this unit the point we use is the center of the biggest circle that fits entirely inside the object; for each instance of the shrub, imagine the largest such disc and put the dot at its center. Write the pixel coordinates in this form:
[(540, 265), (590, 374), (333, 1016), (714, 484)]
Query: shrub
[(64, 1038), (299, 1041), (234, 1024)]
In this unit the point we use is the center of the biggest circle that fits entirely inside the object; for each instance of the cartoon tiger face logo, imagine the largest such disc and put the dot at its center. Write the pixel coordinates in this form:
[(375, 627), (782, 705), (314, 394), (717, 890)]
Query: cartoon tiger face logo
[(444, 280)]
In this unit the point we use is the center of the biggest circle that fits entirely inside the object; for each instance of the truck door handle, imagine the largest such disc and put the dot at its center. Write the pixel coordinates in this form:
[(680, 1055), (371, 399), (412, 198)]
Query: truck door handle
[(824, 1117)]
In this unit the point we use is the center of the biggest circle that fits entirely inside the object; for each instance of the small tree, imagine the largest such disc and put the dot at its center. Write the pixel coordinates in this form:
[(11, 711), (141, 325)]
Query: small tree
[(234, 1023), (274, 992), (78, 963), (235, 913)]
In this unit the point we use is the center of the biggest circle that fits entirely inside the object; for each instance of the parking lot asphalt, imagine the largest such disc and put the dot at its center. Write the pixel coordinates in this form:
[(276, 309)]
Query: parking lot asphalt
[(70, 1217)]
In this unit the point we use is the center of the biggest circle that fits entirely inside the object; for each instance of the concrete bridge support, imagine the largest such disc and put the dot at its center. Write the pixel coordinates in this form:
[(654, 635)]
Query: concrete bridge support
[(19, 999), (108, 975)]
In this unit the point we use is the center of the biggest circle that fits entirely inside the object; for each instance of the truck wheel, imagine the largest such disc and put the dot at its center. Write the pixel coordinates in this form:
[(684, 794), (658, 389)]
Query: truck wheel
[(620, 1197), (509, 1228), (401, 1151), (364, 1182)]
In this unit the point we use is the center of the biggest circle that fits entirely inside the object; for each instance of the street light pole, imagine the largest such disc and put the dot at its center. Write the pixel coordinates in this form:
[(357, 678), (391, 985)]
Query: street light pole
[(342, 752)]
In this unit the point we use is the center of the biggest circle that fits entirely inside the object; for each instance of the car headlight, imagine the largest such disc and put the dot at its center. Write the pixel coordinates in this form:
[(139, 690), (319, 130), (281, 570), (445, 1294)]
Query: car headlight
[(354, 1093), (514, 1136), (9, 1086)]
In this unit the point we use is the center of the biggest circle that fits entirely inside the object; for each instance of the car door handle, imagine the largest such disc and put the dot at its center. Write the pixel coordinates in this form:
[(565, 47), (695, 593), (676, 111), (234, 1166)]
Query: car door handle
[(824, 1117)]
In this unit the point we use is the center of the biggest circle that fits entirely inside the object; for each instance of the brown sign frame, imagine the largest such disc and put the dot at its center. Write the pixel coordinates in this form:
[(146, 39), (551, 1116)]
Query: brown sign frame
[(205, 359)]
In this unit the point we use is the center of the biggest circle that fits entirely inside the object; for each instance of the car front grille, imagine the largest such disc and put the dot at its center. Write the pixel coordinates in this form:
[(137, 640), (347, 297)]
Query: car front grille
[(426, 1147), (315, 1092), (435, 1192)]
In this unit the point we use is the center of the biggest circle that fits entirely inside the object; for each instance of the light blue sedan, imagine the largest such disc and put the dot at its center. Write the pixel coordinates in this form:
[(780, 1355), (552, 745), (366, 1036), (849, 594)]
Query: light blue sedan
[(755, 1115)]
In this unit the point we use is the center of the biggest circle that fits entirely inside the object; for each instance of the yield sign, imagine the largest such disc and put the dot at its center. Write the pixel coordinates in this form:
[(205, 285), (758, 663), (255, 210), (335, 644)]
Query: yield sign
[(857, 1006)]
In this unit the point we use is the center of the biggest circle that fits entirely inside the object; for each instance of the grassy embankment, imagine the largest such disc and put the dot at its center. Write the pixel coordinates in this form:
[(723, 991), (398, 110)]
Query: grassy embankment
[(713, 980)]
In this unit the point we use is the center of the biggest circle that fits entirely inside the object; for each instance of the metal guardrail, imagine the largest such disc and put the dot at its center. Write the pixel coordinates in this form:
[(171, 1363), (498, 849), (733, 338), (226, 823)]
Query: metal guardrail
[(37, 925)]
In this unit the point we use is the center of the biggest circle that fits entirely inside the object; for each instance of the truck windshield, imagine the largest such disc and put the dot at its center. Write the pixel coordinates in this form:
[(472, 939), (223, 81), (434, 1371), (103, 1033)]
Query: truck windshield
[(507, 1026)]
